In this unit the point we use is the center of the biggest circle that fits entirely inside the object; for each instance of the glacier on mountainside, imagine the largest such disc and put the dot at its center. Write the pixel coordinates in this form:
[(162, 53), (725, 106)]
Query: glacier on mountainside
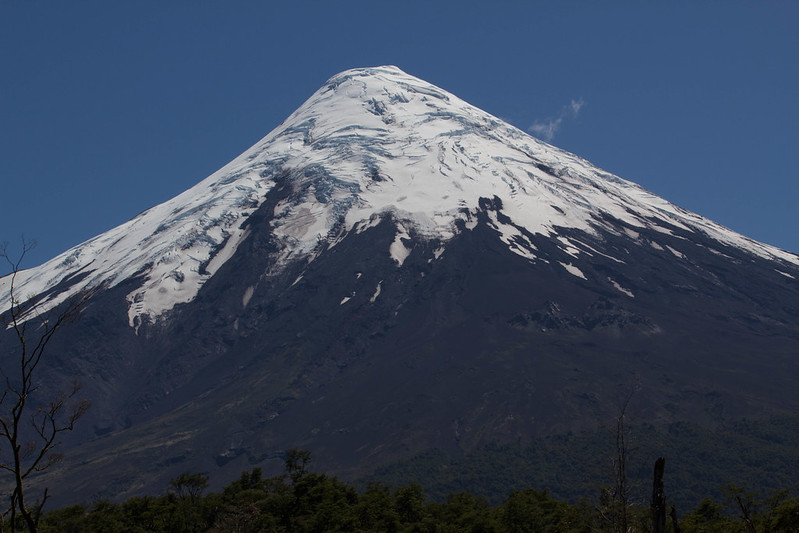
[(369, 143)]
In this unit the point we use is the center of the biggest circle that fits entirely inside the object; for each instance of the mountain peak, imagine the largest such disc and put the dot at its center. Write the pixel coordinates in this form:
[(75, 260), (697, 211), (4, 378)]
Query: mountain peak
[(390, 241), (371, 143)]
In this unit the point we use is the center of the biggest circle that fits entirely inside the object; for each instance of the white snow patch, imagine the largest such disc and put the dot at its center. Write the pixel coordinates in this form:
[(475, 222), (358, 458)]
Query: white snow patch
[(568, 247), (784, 274), (718, 252), (469, 220), (227, 252), (655, 245), (676, 252), (620, 288), (397, 250), (661, 229), (632, 234), (517, 241), (573, 270), (245, 299), (600, 253), (366, 224), (377, 292)]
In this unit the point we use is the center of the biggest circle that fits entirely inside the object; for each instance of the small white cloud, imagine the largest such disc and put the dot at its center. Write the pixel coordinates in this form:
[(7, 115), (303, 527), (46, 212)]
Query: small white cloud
[(576, 105), (547, 129)]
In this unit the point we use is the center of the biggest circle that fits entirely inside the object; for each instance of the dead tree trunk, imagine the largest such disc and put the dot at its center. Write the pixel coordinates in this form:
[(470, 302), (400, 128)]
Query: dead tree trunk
[(658, 505)]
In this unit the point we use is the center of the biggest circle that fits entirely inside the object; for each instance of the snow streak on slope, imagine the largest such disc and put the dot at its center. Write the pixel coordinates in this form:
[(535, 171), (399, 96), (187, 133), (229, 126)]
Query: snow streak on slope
[(369, 143)]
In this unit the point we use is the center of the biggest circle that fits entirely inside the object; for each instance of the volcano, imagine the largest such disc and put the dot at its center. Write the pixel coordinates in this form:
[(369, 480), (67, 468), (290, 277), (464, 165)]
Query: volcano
[(392, 271)]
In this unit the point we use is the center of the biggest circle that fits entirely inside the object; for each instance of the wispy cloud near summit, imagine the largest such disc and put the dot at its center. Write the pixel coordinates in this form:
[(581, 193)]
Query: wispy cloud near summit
[(548, 128)]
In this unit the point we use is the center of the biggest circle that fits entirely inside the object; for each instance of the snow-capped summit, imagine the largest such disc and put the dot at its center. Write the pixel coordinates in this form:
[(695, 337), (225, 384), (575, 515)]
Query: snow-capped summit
[(370, 142)]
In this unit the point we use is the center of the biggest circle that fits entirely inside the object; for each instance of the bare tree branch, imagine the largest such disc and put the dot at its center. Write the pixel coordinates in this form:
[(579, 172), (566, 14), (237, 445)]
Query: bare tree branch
[(27, 441)]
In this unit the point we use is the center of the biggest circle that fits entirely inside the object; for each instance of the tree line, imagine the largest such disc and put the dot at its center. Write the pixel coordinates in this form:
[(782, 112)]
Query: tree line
[(301, 500)]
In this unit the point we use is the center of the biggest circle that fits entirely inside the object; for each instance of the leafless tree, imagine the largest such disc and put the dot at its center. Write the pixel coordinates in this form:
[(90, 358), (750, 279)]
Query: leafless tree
[(614, 507), (30, 427), (658, 504), (621, 491)]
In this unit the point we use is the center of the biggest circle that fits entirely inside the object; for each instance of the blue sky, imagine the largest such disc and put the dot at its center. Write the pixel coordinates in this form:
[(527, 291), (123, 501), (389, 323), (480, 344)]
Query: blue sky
[(108, 108)]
